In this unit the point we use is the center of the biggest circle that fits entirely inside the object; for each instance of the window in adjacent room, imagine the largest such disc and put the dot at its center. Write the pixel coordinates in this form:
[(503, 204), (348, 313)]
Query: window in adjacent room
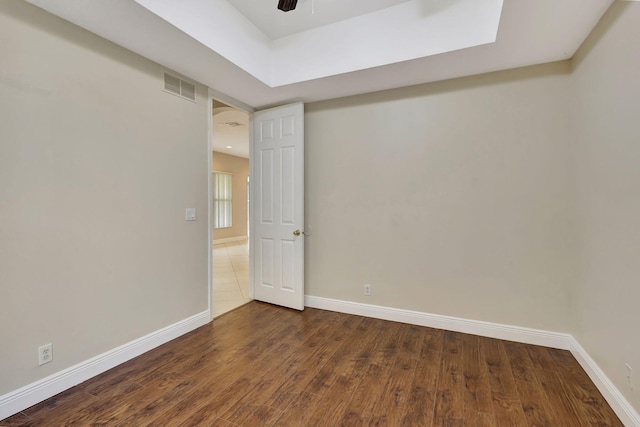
[(222, 200)]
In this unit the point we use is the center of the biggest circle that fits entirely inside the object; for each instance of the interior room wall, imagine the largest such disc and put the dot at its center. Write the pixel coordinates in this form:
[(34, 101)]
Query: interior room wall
[(97, 166), (509, 197), (449, 198), (606, 153), (239, 168)]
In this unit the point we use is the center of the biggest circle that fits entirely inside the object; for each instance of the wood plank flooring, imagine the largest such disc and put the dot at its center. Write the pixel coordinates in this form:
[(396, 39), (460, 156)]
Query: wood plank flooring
[(262, 365)]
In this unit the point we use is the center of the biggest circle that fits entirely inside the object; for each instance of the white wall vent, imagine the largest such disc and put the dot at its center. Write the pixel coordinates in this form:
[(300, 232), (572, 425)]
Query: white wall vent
[(177, 86)]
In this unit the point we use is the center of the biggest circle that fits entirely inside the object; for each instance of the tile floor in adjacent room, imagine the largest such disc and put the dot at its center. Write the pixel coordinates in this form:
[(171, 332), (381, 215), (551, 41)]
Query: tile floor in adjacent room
[(230, 276)]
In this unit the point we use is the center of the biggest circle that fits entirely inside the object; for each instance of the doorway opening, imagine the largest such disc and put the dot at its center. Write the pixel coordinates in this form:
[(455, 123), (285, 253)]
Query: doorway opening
[(230, 211)]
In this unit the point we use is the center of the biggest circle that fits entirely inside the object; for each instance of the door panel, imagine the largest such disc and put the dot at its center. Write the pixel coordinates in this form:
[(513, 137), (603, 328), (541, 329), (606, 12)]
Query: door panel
[(266, 181), (279, 256)]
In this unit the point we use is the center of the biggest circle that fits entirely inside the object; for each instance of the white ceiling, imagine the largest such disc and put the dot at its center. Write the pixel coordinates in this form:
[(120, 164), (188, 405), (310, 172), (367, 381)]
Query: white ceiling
[(230, 131), (530, 32), (308, 14), (406, 31)]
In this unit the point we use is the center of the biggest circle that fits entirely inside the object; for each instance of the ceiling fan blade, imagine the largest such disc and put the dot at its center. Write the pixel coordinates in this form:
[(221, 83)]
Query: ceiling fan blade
[(287, 5)]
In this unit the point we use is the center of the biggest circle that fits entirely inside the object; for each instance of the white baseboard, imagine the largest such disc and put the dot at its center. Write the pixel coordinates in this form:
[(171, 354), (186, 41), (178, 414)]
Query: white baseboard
[(616, 400), (22, 398), (456, 324), (229, 240)]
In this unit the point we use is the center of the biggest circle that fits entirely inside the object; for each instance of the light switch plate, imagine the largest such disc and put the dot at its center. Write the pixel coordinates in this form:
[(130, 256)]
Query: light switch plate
[(190, 214)]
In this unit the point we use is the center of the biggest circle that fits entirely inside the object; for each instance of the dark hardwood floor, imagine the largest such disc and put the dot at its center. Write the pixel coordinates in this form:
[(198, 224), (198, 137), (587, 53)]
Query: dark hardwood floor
[(262, 365)]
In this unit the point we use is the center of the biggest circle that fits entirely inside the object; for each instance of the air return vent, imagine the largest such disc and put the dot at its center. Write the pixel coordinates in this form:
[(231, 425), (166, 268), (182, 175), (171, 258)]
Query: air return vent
[(177, 86)]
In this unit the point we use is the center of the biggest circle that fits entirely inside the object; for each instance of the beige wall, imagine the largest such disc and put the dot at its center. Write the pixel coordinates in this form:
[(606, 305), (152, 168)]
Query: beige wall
[(449, 198), (239, 167), (97, 166), (509, 197), (606, 151)]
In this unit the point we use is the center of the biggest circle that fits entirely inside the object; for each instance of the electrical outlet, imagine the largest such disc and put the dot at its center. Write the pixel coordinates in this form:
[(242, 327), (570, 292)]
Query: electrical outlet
[(629, 372), (367, 289), (45, 354)]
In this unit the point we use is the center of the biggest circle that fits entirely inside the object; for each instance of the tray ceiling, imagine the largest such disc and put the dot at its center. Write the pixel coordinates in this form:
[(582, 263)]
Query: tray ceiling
[(345, 48)]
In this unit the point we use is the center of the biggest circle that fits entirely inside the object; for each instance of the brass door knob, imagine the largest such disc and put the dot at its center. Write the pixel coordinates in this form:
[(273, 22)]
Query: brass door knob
[(296, 233)]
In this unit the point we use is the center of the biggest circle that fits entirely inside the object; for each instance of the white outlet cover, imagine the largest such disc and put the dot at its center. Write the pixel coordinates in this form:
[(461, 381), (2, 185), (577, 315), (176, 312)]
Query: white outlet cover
[(45, 354), (190, 214)]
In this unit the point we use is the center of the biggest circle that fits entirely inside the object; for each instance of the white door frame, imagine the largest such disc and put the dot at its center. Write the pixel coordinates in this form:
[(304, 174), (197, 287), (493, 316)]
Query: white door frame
[(252, 210), (210, 203), (213, 94)]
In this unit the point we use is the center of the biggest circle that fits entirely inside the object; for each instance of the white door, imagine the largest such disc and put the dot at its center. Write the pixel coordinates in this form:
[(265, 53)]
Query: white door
[(278, 176)]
